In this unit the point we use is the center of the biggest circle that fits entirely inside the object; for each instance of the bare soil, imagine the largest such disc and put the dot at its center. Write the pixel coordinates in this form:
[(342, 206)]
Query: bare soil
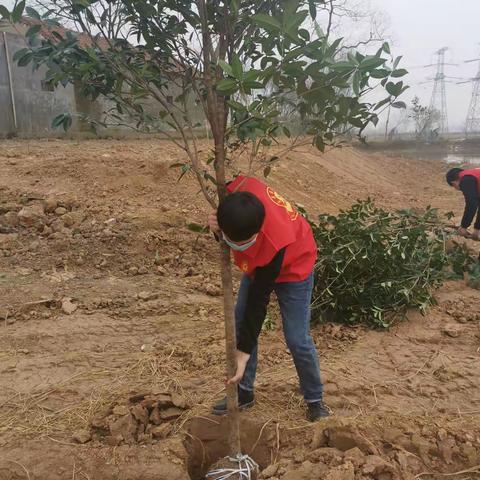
[(111, 345)]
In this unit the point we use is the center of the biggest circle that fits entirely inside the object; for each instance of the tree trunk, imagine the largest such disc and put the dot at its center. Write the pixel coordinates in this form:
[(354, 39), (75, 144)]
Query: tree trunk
[(230, 334), (217, 116), (231, 347)]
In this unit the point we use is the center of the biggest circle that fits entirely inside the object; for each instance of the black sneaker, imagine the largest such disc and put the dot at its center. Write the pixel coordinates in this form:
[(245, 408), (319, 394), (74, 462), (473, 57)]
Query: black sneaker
[(246, 400), (317, 410)]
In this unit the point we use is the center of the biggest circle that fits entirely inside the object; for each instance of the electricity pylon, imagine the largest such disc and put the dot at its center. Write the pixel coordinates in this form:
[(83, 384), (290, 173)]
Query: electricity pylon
[(473, 117), (438, 101)]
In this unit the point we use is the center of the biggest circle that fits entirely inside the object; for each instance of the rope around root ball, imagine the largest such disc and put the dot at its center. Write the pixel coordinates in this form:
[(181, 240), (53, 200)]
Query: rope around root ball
[(246, 468)]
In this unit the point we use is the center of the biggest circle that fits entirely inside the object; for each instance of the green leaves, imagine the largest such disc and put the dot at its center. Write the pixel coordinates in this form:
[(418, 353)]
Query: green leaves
[(234, 70), (357, 77), (4, 13), (267, 22), (237, 68), (275, 76), (287, 22), (197, 228), (319, 143), (399, 73), (394, 89), (293, 22), (227, 86), (33, 30), (18, 11), (380, 73), (243, 82), (236, 105), (20, 53), (382, 103), (64, 120), (371, 62), (226, 68), (312, 8), (343, 66), (184, 169), (25, 59), (374, 264), (31, 12)]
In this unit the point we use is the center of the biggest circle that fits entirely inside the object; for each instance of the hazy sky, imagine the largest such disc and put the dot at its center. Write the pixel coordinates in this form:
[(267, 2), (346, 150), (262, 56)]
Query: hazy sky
[(419, 28)]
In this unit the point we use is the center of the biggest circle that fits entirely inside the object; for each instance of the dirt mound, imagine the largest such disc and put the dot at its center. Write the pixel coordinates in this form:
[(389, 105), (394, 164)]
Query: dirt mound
[(373, 449), (341, 449), (105, 291), (143, 418)]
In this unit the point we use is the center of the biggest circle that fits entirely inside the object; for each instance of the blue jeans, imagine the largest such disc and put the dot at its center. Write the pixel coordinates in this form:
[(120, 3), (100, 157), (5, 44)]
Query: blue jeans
[(294, 299)]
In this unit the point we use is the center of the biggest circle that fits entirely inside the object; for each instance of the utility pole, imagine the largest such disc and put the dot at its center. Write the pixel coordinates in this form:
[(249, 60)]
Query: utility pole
[(438, 101)]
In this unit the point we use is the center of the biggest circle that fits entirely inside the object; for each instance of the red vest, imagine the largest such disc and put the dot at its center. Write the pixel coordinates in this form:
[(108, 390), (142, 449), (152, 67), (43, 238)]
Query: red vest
[(474, 172), (283, 227)]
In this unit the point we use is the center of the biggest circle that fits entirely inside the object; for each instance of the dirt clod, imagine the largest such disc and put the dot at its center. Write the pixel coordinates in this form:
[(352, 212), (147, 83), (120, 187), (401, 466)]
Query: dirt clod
[(68, 306), (375, 465), (60, 211), (451, 331), (32, 216), (344, 438), (143, 418), (123, 428), (50, 204), (10, 219), (120, 410), (155, 417), (140, 414), (355, 456), (170, 413), (148, 296), (82, 436), (342, 472), (179, 401), (270, 471), (161, 431)]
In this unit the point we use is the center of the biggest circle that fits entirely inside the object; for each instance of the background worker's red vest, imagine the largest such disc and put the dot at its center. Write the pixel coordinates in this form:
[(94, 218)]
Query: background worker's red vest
[(283, 227), (474, 172)]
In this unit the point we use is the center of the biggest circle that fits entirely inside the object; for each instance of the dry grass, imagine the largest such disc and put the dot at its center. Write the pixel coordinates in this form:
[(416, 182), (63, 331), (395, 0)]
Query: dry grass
[(29, 413)]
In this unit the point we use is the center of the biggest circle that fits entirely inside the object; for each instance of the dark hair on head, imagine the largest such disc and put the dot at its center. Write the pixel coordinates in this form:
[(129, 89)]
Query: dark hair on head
[(240, 216), (452, 175)]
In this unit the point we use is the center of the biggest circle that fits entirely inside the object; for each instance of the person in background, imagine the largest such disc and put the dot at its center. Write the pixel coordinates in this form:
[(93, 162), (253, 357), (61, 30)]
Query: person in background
[(274, 247), (468, 182)]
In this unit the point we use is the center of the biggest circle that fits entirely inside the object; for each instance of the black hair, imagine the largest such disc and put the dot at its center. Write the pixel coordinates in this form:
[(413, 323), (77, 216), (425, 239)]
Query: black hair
[(452, 175), (240, 216)]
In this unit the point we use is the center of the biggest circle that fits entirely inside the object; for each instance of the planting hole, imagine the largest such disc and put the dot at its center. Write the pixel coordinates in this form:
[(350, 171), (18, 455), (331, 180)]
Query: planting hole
[(207, 442)]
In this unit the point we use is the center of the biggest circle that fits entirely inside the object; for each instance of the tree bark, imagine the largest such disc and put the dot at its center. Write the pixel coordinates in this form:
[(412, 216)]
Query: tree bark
[(231, 347), (217, 116), (228, 306)]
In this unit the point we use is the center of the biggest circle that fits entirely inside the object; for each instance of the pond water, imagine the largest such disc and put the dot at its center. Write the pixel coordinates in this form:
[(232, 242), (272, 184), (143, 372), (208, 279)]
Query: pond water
[(461, 159)]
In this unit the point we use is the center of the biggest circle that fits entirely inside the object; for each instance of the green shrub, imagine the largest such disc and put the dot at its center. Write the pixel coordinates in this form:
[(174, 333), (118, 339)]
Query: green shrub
[(374, 264)]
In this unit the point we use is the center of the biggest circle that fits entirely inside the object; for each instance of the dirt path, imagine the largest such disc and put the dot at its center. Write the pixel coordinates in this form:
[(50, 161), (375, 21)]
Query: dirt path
[(107, 298)]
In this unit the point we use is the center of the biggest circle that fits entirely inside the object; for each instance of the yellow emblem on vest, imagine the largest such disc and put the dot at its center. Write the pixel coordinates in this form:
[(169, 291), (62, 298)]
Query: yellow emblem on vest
[(244, 267), (281, 202)]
